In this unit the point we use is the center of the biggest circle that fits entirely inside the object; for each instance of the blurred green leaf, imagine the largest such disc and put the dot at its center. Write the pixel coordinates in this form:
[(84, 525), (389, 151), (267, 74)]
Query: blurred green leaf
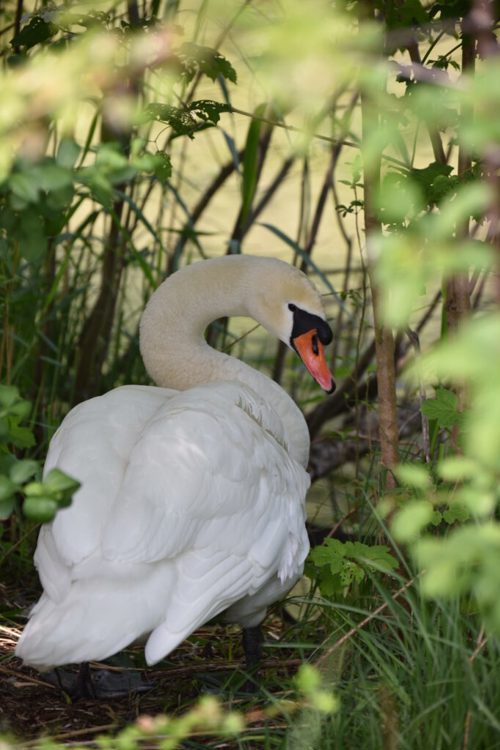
[(23, 185), (40, 508), (67, 153), (398, 198), (57, 481), (7, 506), (162, 167), (36, 31), (414, 475), (32, 236), (21, 437), (9, 394), (410, 521), (7, 488), (23, 470)]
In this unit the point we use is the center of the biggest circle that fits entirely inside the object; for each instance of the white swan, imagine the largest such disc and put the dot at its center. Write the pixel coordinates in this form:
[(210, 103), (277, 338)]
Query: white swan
[(192, 500)]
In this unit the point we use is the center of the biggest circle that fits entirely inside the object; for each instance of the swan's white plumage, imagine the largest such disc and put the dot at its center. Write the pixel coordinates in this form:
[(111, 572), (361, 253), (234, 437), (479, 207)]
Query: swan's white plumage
[(191, 504)]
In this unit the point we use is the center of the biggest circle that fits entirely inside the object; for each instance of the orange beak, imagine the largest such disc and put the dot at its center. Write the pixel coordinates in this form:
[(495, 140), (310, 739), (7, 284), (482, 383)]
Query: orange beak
[(312, 354)]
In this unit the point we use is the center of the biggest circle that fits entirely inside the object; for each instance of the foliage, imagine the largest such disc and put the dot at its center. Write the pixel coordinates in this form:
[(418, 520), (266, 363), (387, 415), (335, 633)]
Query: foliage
[(41, 499), (341, 567)]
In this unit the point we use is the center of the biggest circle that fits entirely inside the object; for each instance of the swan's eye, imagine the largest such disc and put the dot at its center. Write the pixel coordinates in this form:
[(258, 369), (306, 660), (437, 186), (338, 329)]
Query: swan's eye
[(314, 344), (292, 307)]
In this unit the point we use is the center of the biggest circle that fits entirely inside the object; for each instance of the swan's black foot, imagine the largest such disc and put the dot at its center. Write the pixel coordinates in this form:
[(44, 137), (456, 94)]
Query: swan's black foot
[(252, 646), (98, 684)]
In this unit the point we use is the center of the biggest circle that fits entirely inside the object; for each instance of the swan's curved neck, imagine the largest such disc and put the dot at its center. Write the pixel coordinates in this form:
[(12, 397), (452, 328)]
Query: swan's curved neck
[(174, 349)]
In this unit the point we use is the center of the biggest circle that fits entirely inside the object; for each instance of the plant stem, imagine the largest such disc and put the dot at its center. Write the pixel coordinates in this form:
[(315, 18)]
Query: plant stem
[(384, 338)]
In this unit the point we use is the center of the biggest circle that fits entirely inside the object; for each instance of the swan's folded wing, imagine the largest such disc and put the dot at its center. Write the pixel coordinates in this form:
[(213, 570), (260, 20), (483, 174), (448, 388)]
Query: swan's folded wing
[(206, 455), (211, 479)]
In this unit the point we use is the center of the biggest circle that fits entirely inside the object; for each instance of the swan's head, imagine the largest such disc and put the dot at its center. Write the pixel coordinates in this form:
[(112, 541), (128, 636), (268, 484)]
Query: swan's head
[(289, 306)]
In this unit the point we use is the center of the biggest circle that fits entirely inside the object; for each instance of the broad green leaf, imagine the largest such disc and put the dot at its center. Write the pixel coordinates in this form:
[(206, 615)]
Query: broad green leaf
[(398, 198), (40, 508), (209, 111), (51, 176), (9, 394), (456, 512), (414, 475), (57, 481), (23, 470), (36, 31), (457, 468), (7, 488), (443, 408), (411, 520), (7, 506), (32, 236), (206, 60), (23, 185), (179, 119), (21, 437), (68, 153), (21, 409)]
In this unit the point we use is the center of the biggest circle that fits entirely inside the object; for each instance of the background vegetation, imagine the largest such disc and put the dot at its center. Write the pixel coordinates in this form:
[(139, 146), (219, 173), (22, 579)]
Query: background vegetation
[(360, 141)]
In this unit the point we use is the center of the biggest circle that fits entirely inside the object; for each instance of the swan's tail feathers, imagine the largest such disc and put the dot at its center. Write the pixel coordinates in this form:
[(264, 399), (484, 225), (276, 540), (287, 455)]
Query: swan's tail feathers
[(90, 624)]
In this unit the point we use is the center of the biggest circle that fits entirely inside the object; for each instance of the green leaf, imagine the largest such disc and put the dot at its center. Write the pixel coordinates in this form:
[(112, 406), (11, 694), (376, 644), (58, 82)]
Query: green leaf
[(32, 236), (23, 185), (457, 468), (434, 181), (413, 475), (51, 176), (6, 507), (99, 185), (9, 394), (210, 62), (456, 513), (443, 408), (208, 111), (68, 153), (58, 482), (411, 520), (180, 120), (35, 32), (398, 198), (7, 488), (23, 470), (21, 437), (251, 162), (40, 508), (21, 409), (342, 564), (162, 167)]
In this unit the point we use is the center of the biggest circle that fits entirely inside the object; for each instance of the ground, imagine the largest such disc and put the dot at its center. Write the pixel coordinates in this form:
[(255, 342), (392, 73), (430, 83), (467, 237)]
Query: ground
[(210, 661)]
